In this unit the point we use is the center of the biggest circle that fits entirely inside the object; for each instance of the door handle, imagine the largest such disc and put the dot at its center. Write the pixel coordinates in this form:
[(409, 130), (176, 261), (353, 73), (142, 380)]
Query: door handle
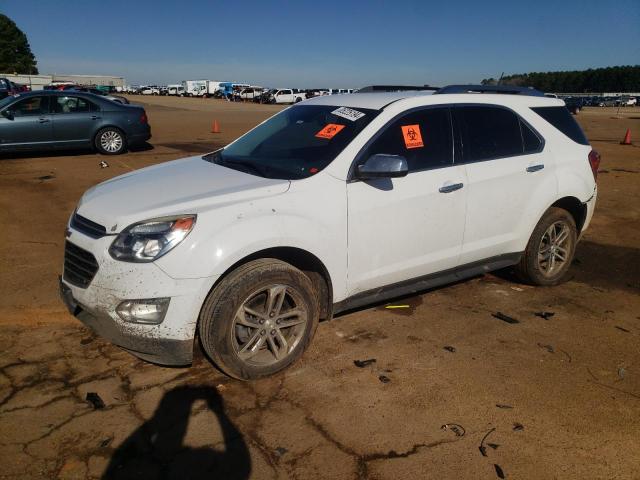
[(43, 120), (450, 188), (535, 168), (94, 117)]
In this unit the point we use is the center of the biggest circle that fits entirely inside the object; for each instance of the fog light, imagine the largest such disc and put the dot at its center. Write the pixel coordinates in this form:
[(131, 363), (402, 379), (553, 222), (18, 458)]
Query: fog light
[(147, 310)]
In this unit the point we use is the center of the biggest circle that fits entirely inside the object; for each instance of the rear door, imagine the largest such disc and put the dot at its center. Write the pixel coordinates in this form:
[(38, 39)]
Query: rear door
[(28, 125), (404, 228), (510, 179), (74, 119)]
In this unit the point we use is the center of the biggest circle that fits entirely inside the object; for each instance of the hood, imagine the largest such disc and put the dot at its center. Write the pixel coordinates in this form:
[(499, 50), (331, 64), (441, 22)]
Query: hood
[(190, 185)]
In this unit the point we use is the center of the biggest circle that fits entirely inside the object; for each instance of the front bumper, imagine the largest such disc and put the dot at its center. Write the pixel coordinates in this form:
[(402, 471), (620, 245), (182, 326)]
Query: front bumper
[(163, 351), (167, 343)]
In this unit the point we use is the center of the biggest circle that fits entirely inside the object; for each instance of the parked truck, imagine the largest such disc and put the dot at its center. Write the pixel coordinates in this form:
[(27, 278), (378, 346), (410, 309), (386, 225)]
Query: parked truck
[(195, 88), (287, 95)]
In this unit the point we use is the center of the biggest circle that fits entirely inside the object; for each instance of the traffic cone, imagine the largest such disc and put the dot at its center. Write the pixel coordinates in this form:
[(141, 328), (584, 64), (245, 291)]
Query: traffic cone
[(215, 128), (627, 138)]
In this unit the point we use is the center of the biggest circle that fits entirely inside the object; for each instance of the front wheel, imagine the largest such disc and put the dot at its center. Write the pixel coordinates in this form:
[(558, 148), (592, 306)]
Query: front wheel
[(110, 141), (550, 250), (259, 319)]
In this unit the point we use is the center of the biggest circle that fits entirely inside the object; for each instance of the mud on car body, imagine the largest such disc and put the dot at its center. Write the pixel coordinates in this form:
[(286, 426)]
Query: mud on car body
[(329, 205)]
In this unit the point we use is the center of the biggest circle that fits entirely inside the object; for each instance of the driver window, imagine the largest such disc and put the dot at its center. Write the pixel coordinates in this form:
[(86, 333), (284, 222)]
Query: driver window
[(423, 137), (30, 106)]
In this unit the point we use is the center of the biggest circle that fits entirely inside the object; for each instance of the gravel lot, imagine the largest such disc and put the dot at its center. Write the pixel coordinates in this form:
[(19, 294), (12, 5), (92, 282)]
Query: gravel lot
[(468, 396)]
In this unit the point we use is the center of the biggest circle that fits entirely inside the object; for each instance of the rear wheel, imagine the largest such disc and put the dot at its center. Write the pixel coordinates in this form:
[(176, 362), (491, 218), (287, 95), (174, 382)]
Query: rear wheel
[(259, 319), (550, 250), (110, 141)]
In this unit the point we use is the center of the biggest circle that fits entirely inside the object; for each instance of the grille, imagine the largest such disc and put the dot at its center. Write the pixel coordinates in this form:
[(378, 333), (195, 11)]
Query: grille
[(86, 226), (80, 266)]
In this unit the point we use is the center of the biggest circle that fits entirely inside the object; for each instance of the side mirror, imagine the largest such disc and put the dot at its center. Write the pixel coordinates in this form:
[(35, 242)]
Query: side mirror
[(8, 114), (382, 165)]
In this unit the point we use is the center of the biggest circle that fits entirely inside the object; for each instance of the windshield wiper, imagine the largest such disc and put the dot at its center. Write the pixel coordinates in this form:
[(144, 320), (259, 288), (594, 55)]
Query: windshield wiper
[(242, 165)]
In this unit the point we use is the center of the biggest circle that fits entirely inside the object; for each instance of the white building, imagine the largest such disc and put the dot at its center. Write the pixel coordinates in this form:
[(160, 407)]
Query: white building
[(37, 82)]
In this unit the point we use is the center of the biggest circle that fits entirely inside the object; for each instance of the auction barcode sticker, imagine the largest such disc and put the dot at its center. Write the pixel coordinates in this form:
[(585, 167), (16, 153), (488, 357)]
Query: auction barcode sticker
[(348, 113)]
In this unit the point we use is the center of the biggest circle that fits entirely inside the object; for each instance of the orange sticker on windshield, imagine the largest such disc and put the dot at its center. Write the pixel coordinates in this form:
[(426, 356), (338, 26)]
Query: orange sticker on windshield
[(329, 131), (412, 136)]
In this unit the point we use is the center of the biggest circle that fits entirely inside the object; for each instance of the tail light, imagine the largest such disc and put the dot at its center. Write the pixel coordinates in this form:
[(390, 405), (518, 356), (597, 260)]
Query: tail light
[(594, 161), (143, 119)]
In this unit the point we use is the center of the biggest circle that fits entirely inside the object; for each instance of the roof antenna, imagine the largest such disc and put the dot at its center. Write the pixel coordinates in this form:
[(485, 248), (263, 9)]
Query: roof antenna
[(500, 79)]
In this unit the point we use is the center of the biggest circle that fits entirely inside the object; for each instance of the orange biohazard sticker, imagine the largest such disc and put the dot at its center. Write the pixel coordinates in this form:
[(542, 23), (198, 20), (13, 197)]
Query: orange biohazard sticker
[(329, 131), (412, 136)]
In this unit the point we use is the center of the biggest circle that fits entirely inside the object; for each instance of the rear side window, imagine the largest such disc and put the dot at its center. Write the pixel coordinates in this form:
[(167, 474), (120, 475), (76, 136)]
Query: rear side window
[(422, 137), (561, 118), (530, 140), (488, 132), (73, 105)]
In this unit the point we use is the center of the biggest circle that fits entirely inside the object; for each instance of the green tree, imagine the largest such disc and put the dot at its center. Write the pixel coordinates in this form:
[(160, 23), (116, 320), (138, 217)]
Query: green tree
[(15, 52)]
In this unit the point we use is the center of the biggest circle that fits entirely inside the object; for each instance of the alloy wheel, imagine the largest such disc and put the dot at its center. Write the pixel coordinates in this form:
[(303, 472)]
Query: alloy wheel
[(269, 325), (111, 141), (555, 248)]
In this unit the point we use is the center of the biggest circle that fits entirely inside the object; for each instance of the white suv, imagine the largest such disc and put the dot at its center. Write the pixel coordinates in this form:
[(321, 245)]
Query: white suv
[(331, 204)]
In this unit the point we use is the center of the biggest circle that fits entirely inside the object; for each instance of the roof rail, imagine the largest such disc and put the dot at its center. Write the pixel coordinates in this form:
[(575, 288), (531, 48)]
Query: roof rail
[(500, 89), (394, 88)]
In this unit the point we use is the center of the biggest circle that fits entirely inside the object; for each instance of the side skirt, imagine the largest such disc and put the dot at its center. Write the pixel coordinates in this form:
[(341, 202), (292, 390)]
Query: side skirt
[(417, 285)]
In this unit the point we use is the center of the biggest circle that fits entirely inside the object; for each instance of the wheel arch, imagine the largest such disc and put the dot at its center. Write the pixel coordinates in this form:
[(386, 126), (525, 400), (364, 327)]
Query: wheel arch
[(303, 260), (575, 207), (109, 125)]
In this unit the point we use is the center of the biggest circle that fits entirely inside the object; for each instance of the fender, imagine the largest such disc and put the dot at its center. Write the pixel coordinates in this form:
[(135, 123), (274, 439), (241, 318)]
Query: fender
[(233, 232)]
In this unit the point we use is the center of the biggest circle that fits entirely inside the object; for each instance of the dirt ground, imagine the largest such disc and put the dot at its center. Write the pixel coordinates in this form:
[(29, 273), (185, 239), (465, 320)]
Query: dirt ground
[(467, 396)]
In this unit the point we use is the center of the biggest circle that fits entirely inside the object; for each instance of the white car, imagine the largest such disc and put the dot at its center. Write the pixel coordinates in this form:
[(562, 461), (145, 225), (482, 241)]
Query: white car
[(331, 204), (153, 90)]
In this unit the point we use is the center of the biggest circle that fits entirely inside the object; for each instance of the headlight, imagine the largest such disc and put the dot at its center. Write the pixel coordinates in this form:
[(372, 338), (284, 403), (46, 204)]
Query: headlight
[(149, 240)]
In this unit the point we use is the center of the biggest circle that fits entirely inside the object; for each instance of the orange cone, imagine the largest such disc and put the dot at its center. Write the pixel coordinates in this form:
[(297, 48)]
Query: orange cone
[(215, 128), (627, 138)]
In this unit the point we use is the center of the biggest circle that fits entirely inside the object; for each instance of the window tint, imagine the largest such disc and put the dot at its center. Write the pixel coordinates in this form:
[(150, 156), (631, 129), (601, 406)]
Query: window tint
[(560, 118), (422, 137), (530, 139), (488, 132), (73, 105), (31, 106)]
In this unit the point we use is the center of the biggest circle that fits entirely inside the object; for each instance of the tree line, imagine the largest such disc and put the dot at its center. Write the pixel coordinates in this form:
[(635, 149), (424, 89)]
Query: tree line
[(15, 52), (609, 79)]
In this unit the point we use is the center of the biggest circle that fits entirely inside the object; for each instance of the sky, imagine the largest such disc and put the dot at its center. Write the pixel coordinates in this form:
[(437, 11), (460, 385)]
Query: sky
[(328, 44)]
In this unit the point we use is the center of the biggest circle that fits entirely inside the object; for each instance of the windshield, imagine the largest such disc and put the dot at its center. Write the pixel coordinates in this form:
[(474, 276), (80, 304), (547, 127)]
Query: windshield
[(7, 100), (296, 143)]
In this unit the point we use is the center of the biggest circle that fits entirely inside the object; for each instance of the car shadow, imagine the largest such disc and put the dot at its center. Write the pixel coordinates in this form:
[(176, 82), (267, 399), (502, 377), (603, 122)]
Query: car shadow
[(28, 154), (156, 450), (609, 267)]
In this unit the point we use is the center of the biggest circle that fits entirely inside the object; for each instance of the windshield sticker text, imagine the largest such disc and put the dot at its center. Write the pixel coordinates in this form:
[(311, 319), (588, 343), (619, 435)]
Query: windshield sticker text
[(329, 131), (348, 113), (412, 136)]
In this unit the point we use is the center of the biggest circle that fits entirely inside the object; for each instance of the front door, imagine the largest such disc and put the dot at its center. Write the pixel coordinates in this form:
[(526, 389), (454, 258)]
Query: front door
[(404, 228), (26, 123)]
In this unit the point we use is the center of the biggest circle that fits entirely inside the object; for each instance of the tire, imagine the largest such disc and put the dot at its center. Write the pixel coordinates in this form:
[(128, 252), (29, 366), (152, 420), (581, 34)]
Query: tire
[(541, 262), (239, 333), (116, 146)]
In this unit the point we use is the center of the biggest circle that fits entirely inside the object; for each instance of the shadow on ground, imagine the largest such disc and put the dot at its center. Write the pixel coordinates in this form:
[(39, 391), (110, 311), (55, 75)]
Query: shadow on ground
[(607, 266), (156, 450)]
